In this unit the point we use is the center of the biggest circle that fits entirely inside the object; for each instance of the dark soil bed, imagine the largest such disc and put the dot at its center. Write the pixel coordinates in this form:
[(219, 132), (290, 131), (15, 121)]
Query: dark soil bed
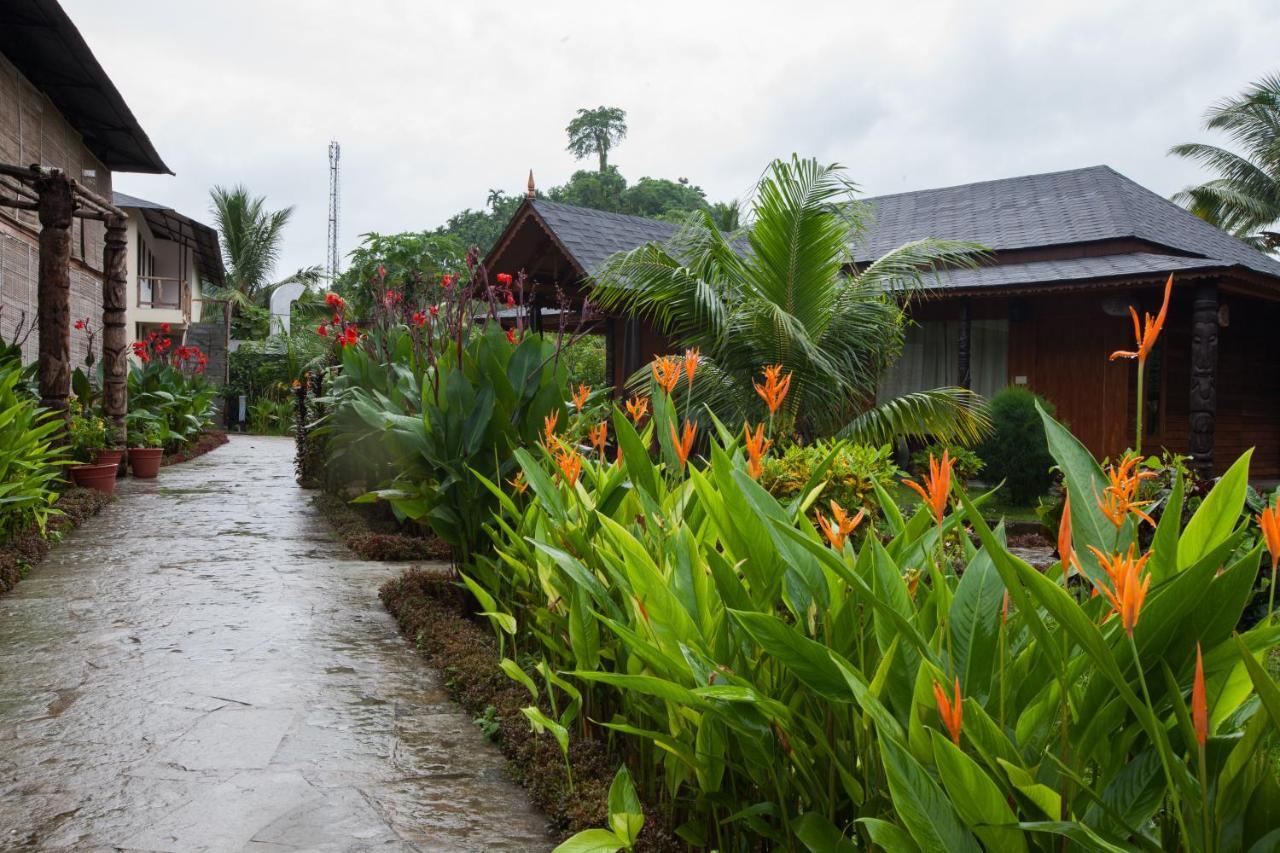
[(375, 536), (210, 439), (28, 547), (431, 611)]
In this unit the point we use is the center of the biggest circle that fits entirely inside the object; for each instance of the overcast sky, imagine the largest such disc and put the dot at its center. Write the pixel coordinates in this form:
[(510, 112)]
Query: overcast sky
[(436, 103)]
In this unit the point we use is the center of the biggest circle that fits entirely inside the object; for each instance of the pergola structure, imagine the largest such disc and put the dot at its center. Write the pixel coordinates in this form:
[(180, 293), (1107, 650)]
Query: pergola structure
[(58, 200)]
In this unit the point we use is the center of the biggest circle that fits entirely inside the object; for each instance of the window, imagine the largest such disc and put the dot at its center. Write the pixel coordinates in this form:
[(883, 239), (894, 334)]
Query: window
[(930, 358)]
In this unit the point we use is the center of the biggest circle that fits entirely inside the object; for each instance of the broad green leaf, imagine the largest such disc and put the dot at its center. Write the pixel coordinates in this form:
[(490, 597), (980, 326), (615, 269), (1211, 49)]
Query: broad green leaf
[(515, 673), (1217, 515), (974, 623), (1076, 832), (809, 660), (821, 835), (889, 836), (626, 817), (978, 800), (592, 841), (922, 806), (1045, 798)]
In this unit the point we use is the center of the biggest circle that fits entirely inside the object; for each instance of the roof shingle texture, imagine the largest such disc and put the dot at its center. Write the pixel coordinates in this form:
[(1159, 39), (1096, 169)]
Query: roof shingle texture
[(590, 236)]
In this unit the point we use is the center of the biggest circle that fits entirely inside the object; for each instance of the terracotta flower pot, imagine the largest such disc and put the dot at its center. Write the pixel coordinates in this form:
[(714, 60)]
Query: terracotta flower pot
[(145, 461), (98, 476), (110, 457)]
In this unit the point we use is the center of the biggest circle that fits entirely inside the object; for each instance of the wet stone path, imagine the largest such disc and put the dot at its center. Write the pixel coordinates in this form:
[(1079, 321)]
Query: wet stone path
[(201, 667)]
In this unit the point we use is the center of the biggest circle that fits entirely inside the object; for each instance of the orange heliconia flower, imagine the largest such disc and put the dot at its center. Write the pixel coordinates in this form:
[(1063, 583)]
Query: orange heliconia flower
[(580, 396), (937, 487), (1199, 704), (549, 429), (952, 714), (599, 434), (1145, 334), (1120, 497), (518, 483), (841, 525), (667, 371), (1269, 521), (637, 408), (691, 363), (775, 387), (757, 447), (684, 442), (1004, 608), (1066, 551), (569, 463), (1128, 587)]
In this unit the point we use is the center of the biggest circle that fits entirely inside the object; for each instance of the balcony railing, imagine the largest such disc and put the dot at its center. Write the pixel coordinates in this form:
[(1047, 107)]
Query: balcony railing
[(156, 291)]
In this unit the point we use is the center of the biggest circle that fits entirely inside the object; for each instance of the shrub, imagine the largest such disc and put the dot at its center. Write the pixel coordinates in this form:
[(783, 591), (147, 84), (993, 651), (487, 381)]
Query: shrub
[(967, 463), (29, 464), (851, 479), (1016, 451)]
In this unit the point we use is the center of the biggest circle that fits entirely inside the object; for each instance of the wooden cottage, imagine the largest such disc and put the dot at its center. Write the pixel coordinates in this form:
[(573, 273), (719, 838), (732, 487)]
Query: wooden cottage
[(1071, 251)]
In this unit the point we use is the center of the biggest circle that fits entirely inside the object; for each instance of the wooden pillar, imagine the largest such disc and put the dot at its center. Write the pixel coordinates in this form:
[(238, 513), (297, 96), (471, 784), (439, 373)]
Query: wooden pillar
[(610, 362), (1204, 376), (115, 361), (53, 292), (630, 347), (963, 347), (535, 315)]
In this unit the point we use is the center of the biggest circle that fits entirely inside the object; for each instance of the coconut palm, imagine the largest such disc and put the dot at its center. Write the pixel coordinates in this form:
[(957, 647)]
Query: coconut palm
[(251, 237), (1245, 198), (785, 291)]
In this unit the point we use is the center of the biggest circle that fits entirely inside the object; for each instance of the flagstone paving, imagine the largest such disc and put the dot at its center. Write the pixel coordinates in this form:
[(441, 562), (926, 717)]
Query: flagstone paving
[(201, 667)]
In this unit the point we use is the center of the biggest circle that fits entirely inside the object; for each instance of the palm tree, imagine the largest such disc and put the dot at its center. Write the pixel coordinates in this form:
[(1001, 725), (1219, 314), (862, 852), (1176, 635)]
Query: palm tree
[(251, 238), (1245, 198), (785, 291)]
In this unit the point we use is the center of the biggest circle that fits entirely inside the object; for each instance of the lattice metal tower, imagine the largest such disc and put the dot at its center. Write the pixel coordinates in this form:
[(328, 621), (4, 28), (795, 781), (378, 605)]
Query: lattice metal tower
[(331, 263)]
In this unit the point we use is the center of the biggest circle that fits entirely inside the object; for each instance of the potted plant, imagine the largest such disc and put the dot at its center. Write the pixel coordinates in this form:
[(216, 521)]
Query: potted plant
[(146, 447), (87, 433)]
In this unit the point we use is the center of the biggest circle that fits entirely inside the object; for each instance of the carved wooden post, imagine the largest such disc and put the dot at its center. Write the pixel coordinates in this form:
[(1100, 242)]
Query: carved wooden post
[(610, 361), (1204, 376), (115, 363), (55, 207), (963, 346)]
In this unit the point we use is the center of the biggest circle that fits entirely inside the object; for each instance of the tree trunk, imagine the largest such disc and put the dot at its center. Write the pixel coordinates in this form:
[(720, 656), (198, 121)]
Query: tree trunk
[(115, 361), (56, 206)]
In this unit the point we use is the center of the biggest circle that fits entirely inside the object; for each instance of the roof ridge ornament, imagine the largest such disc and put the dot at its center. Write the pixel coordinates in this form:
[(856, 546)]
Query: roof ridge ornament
[(532, 191)]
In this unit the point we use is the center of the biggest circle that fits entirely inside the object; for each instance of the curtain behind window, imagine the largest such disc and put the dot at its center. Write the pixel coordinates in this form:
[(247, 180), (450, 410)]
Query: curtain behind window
[(930, 358)]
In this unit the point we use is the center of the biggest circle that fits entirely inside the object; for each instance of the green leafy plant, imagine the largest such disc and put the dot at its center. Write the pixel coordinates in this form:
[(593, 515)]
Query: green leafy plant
[(86, 432), (1016, 452), (30, 463), (626, 819), (967, 463), (852, 475)]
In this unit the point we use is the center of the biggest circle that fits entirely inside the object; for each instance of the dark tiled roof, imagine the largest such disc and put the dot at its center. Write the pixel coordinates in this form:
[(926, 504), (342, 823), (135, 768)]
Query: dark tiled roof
[(39, 38), (1077, 206), (1135, 265), (590, 236), (168, 224)]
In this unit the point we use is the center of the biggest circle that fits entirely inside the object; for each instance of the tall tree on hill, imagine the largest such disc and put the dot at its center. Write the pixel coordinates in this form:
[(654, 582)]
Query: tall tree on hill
[(596, 132), (1245, 197)]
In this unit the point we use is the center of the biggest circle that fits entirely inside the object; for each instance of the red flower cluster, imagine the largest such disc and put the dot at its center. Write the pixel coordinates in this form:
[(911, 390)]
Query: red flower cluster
[(335, 301), (391, 299), (504, 279), (446, 281), (158, 346), (81, 325)]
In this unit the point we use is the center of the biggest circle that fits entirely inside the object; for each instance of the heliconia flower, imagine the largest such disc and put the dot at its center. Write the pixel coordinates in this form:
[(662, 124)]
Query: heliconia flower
[(419, 319), (775, 387), (757, 447), (296, 385), (569, 463), (1065, 550), (599, 435), (1269, 521), (511, 337), (504, 278), (637, 408), (549, 428), (517, 482), (684, 442), (666, 372), (1199, 704), (952, 713), (580, 396), (937, 487), (1130, 587), (691, 363), (322, 330), (1004, 608), (1120, 497), (1146, 334), (841, 525)]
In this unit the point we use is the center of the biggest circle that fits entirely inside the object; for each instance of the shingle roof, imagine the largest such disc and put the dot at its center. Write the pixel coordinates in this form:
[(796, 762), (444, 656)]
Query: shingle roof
[(1076, 206), (168, 224), (1135, 265), (590, 236)]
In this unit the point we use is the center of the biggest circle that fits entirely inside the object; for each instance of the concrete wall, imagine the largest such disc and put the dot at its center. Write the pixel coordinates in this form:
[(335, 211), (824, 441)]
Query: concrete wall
[(33, 131)]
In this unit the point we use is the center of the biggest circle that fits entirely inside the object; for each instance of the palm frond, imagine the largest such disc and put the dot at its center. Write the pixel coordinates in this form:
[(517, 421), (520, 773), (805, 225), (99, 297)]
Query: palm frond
[(949, 415)]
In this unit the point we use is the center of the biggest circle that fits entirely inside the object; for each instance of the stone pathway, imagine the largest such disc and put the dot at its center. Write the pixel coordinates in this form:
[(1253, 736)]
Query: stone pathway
[(202, 667)]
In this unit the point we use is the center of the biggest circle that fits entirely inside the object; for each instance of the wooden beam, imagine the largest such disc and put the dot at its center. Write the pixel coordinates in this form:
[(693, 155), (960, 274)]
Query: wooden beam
[(54, 292)]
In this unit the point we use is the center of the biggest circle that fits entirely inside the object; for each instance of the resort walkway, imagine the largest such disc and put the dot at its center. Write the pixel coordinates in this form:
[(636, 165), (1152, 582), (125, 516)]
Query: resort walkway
[(202, 667)]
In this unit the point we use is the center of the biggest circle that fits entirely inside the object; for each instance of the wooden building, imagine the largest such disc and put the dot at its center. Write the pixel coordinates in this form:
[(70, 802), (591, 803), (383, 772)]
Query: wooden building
[(58, 110), (1071, 251)]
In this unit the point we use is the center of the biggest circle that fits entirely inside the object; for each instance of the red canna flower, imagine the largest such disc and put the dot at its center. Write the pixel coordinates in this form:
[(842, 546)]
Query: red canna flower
[(446, 281), (666, 372), (937, 487), (80, 324), (322, 330), (511, 337), (1199, 704), (683, 443), (637, 408), (435, 310), (511, 300), (164, 328), (775, 387), (838, 529), (757, 447), (1146, 334), (952, 714), (419, 319), (504, 279)]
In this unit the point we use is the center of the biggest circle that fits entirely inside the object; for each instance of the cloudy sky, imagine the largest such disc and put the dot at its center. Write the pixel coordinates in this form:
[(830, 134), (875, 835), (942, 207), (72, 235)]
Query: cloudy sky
[(436, 103)]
